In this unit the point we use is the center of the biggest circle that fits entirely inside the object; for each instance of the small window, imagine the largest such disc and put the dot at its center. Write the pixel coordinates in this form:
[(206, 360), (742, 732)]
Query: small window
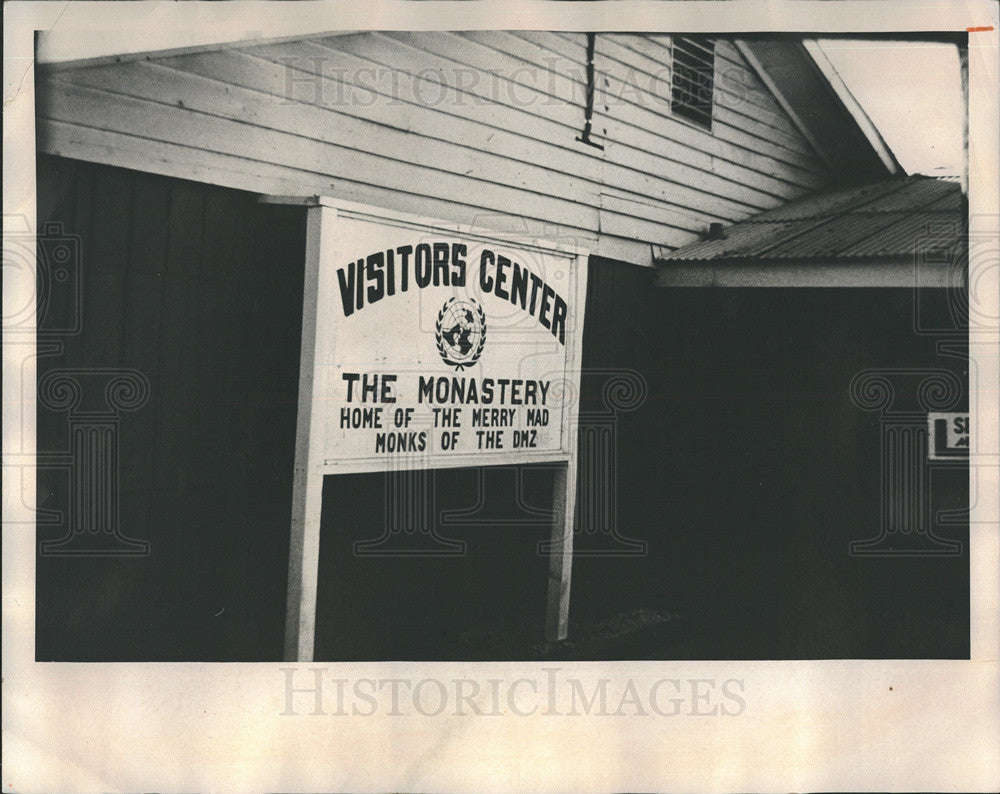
[(693, 78)]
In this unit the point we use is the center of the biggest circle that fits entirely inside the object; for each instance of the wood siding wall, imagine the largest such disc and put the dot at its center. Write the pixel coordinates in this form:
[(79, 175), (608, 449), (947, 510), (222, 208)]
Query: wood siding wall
[(199, 289), (475, 127)]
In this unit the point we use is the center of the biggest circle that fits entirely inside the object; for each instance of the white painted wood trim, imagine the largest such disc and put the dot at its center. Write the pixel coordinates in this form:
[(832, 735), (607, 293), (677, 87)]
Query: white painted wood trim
[(809, 274), (47, 65), (307, 483)]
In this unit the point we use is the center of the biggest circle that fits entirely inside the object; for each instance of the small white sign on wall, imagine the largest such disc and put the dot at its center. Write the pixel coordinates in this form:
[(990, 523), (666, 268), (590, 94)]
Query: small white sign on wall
[(948, 436)]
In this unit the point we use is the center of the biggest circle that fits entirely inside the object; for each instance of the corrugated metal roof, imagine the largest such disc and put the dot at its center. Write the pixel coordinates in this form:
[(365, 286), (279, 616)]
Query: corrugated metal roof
[(896, 218)]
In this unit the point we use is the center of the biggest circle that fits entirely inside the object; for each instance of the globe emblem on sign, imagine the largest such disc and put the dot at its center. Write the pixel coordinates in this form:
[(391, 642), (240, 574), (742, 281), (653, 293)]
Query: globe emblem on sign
[(460, 332)]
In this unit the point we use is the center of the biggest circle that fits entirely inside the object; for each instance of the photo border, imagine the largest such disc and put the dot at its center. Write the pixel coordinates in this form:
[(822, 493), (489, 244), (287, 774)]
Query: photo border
[(806, 725)]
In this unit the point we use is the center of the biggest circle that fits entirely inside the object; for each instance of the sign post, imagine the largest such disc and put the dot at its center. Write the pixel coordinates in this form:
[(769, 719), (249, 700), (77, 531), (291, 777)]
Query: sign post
[(429, 345), (307, 480), (561, 553)]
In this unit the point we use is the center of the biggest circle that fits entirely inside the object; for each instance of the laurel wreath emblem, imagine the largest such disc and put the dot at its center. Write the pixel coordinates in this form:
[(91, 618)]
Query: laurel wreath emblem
[(439, 332)]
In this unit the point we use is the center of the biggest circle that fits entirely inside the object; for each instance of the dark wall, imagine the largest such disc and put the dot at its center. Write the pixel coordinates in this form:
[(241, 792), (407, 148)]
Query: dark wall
[(464, 582), (755, 471), (199, 290)]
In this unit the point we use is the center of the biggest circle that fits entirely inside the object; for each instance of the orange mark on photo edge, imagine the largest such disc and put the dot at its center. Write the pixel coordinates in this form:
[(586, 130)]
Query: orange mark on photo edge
[(981, 29)]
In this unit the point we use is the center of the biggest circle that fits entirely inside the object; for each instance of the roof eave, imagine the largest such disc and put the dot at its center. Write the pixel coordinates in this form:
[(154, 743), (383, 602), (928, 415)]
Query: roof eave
[(821, 108), (865, 272), (851, 104)]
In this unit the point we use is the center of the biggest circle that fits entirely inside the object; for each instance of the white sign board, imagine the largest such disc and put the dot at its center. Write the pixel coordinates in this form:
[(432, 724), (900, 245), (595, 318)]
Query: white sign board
[(442, 348), (428, 345)]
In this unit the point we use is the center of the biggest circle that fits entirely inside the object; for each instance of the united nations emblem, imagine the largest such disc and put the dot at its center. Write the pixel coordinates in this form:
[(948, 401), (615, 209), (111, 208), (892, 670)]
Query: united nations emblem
[(460, 332)]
